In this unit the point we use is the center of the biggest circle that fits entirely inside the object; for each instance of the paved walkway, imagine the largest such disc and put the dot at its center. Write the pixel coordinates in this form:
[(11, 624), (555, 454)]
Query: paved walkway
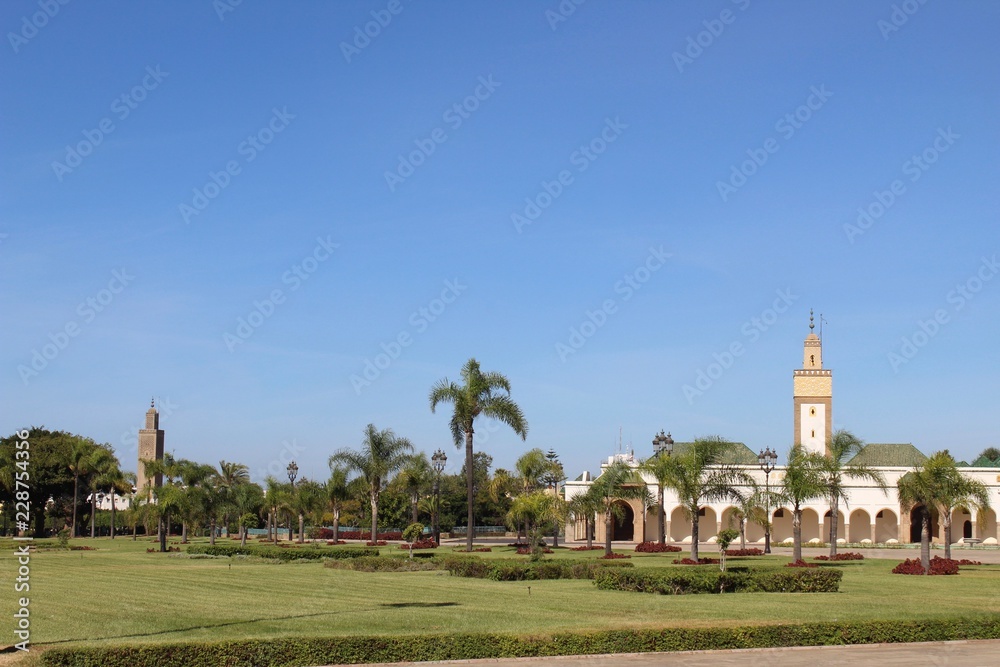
[(984, 653)]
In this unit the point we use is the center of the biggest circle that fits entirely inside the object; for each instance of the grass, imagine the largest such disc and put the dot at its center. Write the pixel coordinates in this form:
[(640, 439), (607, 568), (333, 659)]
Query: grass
[(121, 594)]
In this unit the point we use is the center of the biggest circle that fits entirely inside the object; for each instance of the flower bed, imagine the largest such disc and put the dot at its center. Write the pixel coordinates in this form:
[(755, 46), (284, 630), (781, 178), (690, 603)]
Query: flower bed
[(420, 544), (847, 555), (366, 535), (586, 548), (380, 543), (700, 561), (753, 551), (681, 581), (526, 551), (331, 542), (938, 566), (800, 563), (655, 548), (613, 556)]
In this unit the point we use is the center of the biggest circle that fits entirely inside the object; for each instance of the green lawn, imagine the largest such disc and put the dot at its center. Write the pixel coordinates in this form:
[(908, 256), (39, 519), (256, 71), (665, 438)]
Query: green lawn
[(119, 593)]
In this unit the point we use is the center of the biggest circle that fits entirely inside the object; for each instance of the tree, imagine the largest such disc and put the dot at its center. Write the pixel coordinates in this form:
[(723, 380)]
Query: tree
[(275, 492), (102, 463), (552, 478), (724, 539), (382, 453), (480, 393), (699, 475), (990, 453), (309, 497), (536, 510), (802, 482), (247, 501), (587, 505), (112, 478), (336, 495), (412, 533), (659, 467), (842, 447), (751, 507), (78, 461), (415, 477), (619, 482)]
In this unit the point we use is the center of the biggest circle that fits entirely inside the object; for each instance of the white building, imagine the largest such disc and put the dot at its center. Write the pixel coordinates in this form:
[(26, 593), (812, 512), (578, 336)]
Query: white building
[(871, 514)]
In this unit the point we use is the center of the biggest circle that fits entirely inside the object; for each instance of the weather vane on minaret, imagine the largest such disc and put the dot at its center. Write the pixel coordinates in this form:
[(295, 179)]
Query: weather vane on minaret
[(811, 325)]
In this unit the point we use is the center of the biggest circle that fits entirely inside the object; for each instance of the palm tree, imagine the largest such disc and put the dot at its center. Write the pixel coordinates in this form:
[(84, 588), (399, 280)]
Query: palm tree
[(961, 491), (382, 453), (230, 475), (415, 477), (247, 500), (309, 497), (751, 507), (102, 462), (587, 505), (192, 476), (112, 478), (536, 510), (659, 467), (337, 494), (274, 493), (843, 447), (699, 475), (618, 482), (479, 394), (803, 481), (78, 461)]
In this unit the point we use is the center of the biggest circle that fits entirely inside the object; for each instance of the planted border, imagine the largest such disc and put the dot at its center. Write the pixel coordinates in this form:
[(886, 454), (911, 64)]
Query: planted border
[(516, 570), (416, 648), (279, 553), (682, 581)]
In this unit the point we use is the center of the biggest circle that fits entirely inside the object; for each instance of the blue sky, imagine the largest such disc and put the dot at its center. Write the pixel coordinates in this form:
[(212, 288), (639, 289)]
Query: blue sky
[(670, 172)]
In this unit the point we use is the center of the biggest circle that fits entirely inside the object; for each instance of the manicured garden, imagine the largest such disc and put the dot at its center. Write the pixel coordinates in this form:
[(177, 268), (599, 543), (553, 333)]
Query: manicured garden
[(119, 595)]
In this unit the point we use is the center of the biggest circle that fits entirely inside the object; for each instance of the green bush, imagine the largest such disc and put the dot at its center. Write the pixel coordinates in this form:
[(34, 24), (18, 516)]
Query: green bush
[(675, 581), (518, 570), (279, 553), (292, 652), (381, 564)]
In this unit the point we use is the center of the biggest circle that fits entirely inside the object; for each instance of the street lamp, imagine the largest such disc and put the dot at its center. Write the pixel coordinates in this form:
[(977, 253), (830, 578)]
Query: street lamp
[(662, 444), (766, 460), (437, 461), (293, 472)]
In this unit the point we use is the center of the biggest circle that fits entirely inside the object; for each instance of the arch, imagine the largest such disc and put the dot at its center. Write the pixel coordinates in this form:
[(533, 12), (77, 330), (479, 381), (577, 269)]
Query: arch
[(886, 526), (729, 518), (861, 527), (652, 526), (810, 525), (841, 531), (915, 524), (708, 523), (781, 525), (623, 529), (680, 525), (990, 530), (960, 516)]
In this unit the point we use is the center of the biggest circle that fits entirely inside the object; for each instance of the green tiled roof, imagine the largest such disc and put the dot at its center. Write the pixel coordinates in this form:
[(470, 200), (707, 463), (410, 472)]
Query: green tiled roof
[(739, 454), (983, 462), (892, 455)]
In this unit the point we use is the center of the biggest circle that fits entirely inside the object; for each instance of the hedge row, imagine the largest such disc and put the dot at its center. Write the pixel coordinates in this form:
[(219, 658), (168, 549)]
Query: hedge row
[(289, 652), (515, 570), (383, 564), (279, 553), (674, 581)]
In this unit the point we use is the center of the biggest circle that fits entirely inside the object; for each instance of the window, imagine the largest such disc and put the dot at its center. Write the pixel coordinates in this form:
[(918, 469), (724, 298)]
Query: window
[(779, 513), (701, 512), (813, 433), (812, 412)]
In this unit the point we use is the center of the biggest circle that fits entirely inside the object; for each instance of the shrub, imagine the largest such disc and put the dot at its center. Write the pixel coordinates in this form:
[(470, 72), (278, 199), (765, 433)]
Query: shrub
[(800, 563), (367, 535), (379, 543), (586, 548), (278, 553), (413, 532), (518, 570), (466, 646), (331, 542), (966, 561), (382, 564), (613, 555), (527, 551), (700, 561), (483, 549), (847, 555), (938, 566), (753, 551), (420, 544), (671, 581), (652, 548)]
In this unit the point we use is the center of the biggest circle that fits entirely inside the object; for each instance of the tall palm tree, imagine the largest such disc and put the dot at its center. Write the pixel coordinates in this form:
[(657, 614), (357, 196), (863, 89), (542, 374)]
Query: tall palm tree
[(382, 453), (536, 510), (337, 494), (193, 476), (587, 505), (102, 462), (274, 492), (751, 507), (803, 481), (309, 497), (659, 468), (247, 500), (115, 480), (699, 475), (415, 477), (618, 482), (957, 490), (480, 393), (843, 447), (230, 475), (78, 462)]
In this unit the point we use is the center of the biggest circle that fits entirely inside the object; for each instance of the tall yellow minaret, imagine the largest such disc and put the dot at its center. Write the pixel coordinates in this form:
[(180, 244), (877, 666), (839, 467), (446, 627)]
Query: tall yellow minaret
[(150, 449), (813, 396)]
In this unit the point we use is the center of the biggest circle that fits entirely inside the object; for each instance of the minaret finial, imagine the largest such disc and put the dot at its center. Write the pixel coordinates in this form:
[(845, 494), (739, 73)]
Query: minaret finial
[(152, 402), (811, 324)]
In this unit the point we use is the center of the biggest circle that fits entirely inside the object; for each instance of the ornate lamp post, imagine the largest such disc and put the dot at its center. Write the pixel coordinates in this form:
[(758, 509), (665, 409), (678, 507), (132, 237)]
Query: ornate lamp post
[(293, 472), (437, 461), (766, 460), (662, 444)]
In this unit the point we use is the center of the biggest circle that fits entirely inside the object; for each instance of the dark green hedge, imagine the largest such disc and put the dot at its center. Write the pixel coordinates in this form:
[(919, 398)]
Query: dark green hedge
[(354, 650), (677, 581), (280, 553), (518, 570)]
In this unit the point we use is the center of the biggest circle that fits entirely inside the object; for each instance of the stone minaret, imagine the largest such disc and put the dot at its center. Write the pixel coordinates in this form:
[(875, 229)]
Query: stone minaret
[(813, 396), (150, 447)]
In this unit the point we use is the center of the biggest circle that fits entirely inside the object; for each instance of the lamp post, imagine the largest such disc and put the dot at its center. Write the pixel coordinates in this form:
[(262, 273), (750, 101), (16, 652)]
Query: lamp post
[(293, 471), (662, 444), (766, 461), (437, 461)]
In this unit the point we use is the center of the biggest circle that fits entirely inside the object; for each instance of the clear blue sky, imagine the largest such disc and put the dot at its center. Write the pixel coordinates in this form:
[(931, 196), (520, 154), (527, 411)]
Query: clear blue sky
[(641, 126)]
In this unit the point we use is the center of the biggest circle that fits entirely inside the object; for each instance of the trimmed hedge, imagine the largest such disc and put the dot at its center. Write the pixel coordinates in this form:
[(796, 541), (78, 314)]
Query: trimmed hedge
[(279, 553), (677, 581), (516, 570), (383, 564), (295, 652)]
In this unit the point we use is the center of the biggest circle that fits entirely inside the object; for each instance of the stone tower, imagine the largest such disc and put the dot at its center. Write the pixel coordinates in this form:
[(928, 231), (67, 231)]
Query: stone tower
[(813, 396), (150, 447)]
